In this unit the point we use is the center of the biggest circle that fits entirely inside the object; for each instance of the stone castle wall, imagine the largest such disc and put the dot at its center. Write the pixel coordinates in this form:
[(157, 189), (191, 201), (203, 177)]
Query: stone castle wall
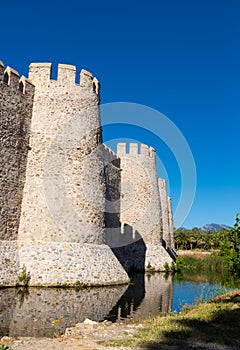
[(9, 263), (112, 171), (139, 246), (170, 223), (140, 202), (66, 198), (16, 102), (65, 167), (61, 237), (167, 221)]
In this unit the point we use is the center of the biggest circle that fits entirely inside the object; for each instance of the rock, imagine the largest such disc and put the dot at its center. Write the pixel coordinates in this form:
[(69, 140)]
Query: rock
[(88, 321), (108, 323), (5, 339)]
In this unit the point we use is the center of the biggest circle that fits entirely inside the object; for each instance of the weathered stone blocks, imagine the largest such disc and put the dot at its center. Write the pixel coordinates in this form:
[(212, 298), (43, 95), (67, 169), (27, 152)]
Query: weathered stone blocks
[(65, 198), (16, 103)]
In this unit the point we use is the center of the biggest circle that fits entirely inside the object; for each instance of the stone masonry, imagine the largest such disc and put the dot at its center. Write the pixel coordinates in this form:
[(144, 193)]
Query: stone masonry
[(16, 103), (140, 243), (71, 209)]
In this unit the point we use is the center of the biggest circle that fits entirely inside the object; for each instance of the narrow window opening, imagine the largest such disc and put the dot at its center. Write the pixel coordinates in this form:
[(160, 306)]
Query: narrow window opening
[(21, 87), (6, 78)]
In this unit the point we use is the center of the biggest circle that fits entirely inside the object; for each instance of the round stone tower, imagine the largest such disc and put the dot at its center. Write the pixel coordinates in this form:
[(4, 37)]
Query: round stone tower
[(61, 234), (141, 213), (165, 214), (167, 220), (170, 221)]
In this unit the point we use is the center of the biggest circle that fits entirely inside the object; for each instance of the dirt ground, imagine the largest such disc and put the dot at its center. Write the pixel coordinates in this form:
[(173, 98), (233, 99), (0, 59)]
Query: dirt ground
[(85, 336), (82, 337)]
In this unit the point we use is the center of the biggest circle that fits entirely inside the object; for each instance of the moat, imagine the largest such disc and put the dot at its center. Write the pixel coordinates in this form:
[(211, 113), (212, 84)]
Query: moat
[(44, 311)]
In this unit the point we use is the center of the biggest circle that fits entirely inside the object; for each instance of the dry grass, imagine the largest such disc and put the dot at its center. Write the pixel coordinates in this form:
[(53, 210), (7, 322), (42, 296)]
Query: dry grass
[(198, 254)]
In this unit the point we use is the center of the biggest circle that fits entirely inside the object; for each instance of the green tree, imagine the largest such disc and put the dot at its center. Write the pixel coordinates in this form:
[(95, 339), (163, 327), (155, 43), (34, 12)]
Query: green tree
[(193, 237), (230, 247), (180, 236)]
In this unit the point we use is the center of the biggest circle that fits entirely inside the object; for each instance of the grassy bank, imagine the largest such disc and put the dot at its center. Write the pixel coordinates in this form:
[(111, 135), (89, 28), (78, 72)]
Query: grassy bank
[(200, 266), (216, 321), (204, 262)]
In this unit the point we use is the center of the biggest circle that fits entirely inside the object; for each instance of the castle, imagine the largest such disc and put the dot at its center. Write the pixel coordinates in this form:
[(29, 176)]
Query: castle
[(71, 210)]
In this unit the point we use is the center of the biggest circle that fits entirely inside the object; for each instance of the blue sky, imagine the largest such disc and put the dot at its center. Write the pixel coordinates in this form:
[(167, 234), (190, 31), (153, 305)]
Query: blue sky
[(178, 57)]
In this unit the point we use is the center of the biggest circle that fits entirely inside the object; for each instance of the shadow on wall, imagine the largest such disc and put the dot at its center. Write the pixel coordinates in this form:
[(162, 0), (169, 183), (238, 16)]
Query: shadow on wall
[(127, 244), (130, 249)]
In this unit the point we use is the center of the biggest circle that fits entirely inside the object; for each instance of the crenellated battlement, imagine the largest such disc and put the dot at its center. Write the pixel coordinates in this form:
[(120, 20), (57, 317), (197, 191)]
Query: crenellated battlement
[(66, 75), (64, 195), (11, 78), (135, 150), (40, 71), (26, 86)]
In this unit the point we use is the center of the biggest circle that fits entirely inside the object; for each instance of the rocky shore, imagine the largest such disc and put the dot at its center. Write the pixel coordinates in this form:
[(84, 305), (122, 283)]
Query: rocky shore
[(84, 336)]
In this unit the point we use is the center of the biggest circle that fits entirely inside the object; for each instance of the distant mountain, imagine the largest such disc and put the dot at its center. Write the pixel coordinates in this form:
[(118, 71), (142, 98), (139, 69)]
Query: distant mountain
[(214, 227)]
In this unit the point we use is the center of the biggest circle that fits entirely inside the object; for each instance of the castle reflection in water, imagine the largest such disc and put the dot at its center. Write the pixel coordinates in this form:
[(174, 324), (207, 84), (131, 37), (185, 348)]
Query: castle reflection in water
[(32, 312)]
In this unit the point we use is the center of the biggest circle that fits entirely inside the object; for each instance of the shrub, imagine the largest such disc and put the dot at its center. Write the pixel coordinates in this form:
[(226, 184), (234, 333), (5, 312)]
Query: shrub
[(166, 266), (24, 277), (4, 347), (230, 248)]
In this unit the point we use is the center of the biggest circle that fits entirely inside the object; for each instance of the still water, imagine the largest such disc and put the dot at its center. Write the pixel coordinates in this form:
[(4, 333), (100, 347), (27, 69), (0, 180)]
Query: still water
[(34, 312)]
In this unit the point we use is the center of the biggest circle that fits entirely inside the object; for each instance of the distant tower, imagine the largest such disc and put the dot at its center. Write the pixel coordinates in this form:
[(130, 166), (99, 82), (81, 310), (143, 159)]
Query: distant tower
[(167, 220), (140, 206), (165, 214), (62, 221), (170, 223)]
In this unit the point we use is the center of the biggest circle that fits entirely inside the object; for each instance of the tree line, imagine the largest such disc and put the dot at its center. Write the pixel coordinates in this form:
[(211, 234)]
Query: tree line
[(195, 238), (227, 242)]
